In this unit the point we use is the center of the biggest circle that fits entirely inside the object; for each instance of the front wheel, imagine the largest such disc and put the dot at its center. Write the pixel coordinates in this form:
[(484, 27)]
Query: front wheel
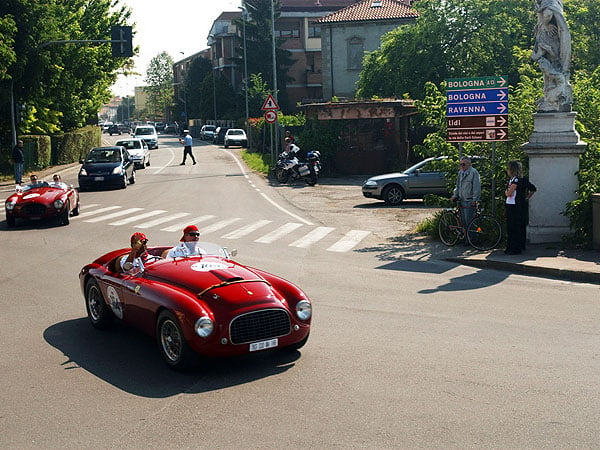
[(393, 195), (171, 341), (281, 175), (132, 178), (10, 222), (484, 232), (64, 216), (449, 228), (98, 312)]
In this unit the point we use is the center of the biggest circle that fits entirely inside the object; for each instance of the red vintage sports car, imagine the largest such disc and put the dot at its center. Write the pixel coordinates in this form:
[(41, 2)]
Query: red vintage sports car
[(203, 305), (42, 201)]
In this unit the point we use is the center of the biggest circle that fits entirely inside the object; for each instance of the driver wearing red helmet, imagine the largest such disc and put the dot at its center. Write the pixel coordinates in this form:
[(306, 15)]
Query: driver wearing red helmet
[(188, 245)]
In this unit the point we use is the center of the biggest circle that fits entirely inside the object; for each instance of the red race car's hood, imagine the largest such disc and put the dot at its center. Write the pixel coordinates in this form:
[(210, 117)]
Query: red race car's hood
[(211, 275), (39, 195)]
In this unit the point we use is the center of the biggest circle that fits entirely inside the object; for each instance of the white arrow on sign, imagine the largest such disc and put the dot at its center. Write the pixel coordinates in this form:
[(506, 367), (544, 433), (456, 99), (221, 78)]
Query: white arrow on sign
[(502, 81), (501, 121), (501, 134), (502, 94), (502, 108)]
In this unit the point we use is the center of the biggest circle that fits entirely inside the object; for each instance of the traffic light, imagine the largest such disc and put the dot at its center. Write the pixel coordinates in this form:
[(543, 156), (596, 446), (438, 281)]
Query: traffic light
[(121, 44)]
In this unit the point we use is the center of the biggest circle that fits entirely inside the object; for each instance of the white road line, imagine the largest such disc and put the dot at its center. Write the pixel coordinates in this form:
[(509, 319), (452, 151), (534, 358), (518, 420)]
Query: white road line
[(181, 225), (278, 233), (96, 211), (244, 231), (113, 215), (219, 225), (271, 201), (168, 163), (138, 217), (162, 220), (349, 241), (314, 236)]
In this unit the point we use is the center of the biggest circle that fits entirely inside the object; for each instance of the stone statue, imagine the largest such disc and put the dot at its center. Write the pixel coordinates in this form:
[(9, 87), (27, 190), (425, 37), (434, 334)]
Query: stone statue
[(552, 51)]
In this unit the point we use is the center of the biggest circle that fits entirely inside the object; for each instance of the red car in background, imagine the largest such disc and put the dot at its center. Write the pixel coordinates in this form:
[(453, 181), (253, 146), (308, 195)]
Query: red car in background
[(42, 201), (203, 305)]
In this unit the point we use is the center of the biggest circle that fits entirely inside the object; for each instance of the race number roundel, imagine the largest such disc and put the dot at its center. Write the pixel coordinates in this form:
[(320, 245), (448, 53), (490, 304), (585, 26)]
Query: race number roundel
[(270, 116)]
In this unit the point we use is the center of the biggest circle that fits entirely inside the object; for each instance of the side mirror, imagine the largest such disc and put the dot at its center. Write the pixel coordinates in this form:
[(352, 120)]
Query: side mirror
[(81, 161)]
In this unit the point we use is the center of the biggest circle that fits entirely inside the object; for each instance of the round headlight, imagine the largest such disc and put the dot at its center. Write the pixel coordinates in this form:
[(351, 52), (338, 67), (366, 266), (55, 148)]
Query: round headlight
[(58, 204), (303, 310), (204, 327), (10, 205)]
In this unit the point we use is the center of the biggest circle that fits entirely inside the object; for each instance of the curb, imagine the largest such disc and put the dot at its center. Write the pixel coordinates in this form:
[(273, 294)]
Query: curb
[(544, 272)]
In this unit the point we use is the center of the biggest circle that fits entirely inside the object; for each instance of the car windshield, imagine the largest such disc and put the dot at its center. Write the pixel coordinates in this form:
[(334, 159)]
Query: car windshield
[(144, 131), (39, 184), (432, 165), (209, 128), (132, 144), (99, 155)]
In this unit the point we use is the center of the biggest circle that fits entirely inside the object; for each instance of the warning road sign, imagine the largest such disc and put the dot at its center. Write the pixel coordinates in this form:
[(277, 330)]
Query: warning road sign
[(270, 104)]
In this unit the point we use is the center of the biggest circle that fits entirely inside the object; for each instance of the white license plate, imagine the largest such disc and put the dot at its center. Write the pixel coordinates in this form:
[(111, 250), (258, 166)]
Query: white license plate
[(263, 345), (98, 178)]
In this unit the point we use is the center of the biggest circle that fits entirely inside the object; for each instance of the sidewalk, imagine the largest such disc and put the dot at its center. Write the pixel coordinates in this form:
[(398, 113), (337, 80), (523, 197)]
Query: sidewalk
[(343, 197)]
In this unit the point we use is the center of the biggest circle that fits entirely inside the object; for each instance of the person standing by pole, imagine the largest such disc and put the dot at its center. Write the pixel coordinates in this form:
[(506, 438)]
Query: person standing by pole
[(186, 141), (18, 160)]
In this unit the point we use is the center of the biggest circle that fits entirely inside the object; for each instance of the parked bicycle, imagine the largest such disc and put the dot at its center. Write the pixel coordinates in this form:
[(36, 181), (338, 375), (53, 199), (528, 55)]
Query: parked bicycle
[(483, 232)]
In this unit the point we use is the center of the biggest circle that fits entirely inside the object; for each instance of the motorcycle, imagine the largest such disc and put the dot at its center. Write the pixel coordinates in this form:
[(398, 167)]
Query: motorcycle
[(289, 167)]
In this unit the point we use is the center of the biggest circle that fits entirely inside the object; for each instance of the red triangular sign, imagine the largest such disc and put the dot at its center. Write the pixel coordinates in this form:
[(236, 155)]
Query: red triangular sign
[(269, 104)]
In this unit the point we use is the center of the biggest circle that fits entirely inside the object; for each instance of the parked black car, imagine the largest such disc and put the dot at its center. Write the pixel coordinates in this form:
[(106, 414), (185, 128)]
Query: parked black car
[(114, 129), (219, 137), (106, 167)]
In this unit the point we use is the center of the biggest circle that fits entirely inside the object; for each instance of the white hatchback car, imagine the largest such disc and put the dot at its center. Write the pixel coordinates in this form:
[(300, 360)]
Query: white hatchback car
[(138, 151), (235, 136), (148, 134)]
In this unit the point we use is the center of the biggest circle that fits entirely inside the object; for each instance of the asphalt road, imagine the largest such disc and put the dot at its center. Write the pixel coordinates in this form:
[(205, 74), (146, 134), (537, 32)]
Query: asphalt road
[(403, 354)]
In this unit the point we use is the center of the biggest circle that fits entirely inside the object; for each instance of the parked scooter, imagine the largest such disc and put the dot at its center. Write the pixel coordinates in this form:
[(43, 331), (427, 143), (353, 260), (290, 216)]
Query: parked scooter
[(288, 167)]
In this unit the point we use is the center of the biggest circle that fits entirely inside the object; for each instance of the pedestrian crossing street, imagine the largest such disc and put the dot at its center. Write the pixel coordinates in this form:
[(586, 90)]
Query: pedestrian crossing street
[(261, 231)]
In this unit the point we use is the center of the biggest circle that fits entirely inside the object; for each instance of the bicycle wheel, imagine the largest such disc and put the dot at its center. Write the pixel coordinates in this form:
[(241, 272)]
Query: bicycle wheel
[(484, 232), (449, 228)]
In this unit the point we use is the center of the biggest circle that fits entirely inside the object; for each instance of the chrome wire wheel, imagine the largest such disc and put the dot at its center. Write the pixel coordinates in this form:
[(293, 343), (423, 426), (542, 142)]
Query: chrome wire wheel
[(171, 340), (95, 302)]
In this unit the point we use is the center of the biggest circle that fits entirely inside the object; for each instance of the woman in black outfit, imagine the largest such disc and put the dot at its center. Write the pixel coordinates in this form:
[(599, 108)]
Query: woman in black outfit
[(518, 192)]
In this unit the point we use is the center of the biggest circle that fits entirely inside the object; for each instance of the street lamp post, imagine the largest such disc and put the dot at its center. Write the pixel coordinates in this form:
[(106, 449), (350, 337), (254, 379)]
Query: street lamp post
[(244, 18)]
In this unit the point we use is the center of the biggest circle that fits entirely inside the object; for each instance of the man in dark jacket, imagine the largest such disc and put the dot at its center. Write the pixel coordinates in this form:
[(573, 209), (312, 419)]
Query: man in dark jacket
[(18, 159)]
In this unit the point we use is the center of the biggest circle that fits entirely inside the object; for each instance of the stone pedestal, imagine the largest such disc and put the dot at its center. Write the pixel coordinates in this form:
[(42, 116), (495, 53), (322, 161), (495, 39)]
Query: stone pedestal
[(596, 221), (553, 149)]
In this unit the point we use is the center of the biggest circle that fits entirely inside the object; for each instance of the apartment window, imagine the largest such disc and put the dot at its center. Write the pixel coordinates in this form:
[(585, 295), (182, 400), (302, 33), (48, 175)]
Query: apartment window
[(310, 62), (287, 30), (356, 50), (314, 29)]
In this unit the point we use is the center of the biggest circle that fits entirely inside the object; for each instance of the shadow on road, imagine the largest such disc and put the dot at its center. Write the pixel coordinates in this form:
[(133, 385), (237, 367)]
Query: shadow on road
[(130, 361)]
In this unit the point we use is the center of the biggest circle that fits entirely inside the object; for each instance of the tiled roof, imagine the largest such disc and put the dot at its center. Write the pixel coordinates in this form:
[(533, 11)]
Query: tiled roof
[(314, 5), (367, 10)]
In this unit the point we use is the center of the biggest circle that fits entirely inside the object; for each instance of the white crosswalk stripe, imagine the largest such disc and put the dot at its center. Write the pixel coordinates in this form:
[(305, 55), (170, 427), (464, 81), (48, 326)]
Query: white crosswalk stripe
[(156, 212), (314, 236), (244, 231), (349, 241), (219, 225), (83, 215), (176, 223), (162, 220), (181, 225), (123, 212), (278, 233)]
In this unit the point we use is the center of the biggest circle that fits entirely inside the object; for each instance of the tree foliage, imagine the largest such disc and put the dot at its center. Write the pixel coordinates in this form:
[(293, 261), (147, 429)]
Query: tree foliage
[(199, 69), (61, 85), (159, 85)]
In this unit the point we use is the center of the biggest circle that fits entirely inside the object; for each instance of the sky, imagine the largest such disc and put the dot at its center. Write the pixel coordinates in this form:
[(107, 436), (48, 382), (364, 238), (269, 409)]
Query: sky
[(179, 27)]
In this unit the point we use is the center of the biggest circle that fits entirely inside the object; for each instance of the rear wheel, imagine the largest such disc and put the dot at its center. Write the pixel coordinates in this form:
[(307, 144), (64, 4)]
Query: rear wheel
[(98, 312), (393, 195), (171, 342), (449, 228), (484, 232)]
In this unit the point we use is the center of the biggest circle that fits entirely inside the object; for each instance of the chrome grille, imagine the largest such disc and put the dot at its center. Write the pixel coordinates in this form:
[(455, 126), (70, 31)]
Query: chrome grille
[(34, 209), (259, 325)]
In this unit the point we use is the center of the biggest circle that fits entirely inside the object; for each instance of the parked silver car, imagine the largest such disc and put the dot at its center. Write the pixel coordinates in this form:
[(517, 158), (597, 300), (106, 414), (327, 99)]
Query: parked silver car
[(423, 178), (207, 132)]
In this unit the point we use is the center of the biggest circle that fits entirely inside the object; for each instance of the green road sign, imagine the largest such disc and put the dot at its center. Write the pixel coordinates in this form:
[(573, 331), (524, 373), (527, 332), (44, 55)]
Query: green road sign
[(463, 84)]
